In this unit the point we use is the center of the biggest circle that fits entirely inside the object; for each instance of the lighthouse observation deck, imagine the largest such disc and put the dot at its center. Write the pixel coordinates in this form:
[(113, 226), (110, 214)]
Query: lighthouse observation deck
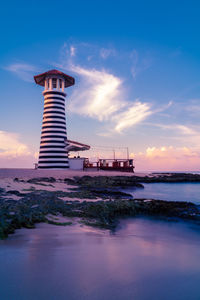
[(53, 153)]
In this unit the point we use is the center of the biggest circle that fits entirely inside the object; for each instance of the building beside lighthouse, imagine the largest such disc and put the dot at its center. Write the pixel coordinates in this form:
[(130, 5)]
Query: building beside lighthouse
[(53, 152)]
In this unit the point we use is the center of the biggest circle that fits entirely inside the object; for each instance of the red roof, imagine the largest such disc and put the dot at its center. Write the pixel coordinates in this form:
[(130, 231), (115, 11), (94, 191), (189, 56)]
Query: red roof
[(39, 79)]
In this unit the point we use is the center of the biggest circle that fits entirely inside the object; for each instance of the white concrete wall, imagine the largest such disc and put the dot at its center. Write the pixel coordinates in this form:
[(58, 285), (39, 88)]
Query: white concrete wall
[(76, 163)]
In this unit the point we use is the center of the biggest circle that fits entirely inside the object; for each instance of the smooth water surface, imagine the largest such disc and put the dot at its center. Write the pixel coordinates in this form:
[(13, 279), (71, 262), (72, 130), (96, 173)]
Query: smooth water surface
[(189, 192), (144, 260)]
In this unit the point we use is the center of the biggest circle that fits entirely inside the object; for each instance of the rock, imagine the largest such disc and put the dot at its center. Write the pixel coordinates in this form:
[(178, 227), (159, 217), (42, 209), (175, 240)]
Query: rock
[(41, 179), (2, 191), (169, 178), (18, 180), (59, 223), (107, 181), (69, 181), (35, 206), (14, 192)]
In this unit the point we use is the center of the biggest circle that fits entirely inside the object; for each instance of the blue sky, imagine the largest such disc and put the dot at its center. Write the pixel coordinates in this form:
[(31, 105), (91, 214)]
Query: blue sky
[(137, 71)]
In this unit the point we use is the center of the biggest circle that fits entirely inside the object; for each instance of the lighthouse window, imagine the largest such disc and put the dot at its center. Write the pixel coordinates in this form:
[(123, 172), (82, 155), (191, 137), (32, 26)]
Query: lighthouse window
[(60, 81), (54, 80)]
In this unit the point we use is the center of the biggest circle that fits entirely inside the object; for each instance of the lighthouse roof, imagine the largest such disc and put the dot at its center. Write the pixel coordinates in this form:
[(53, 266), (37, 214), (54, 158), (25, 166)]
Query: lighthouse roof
[(40, 79)]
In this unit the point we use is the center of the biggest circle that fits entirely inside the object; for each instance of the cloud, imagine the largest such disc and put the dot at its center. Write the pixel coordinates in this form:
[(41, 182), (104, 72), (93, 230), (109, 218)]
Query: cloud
[(102, 95), (134, 114), (139, 64), (185, 130), (99, 94), (14, 153), (72, 50), (9, 143), (167, 158), (134, 62), (194, 108), (105, 52), (23, 70)]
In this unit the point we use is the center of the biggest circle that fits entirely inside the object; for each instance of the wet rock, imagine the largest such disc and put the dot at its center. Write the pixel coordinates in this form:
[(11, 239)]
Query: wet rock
[(35, 206), (59, 223), (2, 191), (103, 193), (18, 180), (168, 178), (107, 181), (69, 181), (41, 179), (14, 192)]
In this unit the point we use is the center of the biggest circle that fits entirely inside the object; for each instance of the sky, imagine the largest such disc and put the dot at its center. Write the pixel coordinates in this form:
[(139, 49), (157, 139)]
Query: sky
[(137, 70)]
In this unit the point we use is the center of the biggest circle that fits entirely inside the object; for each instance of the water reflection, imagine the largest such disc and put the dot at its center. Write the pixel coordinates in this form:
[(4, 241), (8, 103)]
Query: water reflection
[(189, 192), (145, 259)]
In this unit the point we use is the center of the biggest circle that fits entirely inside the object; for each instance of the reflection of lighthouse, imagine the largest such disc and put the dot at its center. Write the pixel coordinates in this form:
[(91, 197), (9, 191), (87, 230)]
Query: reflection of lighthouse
[(53, 153)]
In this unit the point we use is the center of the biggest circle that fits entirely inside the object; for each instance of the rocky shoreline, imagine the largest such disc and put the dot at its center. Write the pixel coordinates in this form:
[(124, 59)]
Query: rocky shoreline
[(106, 202)]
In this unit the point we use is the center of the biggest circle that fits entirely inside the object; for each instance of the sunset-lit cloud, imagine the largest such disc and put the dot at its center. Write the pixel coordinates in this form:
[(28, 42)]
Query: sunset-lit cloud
[(167, 158), (13, 152), (9, 143)]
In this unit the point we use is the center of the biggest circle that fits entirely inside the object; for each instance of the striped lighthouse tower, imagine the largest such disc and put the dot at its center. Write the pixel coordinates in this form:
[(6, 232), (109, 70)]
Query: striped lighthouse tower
[(53, 153)]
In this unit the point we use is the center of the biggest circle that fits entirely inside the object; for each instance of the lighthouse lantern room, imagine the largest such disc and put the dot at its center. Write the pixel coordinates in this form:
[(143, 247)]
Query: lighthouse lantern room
[(53, 152)]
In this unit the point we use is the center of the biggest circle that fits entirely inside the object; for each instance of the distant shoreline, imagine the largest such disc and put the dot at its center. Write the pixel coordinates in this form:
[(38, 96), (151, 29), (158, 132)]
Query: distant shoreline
[(61, 174)]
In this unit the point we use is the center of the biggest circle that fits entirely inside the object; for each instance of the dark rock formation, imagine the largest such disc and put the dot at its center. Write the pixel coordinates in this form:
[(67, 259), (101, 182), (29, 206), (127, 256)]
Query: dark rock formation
[(34, 208), (41, 179), (104, 181)]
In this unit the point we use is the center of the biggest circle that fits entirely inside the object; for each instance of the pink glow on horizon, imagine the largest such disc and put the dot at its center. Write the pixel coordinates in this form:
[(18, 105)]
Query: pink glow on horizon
[(15, 154)]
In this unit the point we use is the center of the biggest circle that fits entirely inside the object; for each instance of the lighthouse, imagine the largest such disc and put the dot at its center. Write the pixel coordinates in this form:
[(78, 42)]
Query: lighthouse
[(53, 152)]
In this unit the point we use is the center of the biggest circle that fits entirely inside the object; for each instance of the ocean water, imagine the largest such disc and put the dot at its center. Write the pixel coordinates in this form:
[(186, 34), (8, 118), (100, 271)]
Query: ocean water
[(189, 192), (144, 260)]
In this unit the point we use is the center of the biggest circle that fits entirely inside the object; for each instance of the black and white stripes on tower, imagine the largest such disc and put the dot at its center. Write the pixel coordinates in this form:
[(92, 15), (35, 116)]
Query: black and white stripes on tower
[(53, 152)]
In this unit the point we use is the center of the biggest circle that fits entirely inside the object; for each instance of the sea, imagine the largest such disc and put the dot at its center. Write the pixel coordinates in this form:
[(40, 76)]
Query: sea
[(189, 192), (144, 259)]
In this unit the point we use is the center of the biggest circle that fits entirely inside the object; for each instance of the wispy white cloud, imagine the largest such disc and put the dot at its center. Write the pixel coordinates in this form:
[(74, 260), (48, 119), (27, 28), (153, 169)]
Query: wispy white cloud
[(99, 94), (106, 52), (134, 62), (186, 130), (23, 70), (193, 108), (72, 50), (134, 114), (102, 95), (181, 129), (139, 64)]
